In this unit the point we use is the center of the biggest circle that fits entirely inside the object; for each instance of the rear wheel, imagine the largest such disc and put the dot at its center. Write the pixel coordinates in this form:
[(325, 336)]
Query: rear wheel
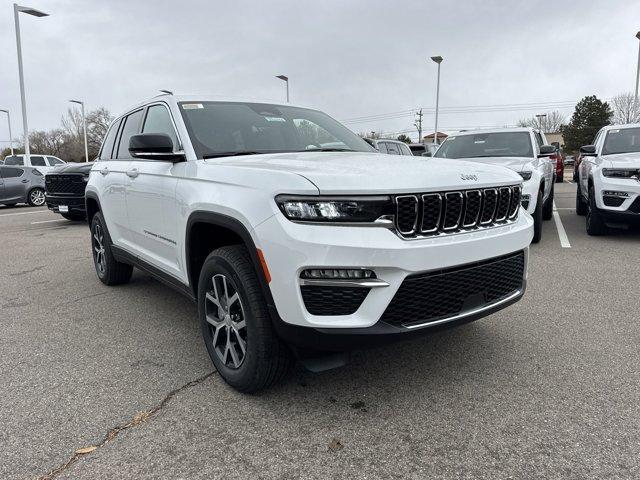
[(235, 322), (581, 205), (537, 220), (36, 197), (108, 269), (595, 221)]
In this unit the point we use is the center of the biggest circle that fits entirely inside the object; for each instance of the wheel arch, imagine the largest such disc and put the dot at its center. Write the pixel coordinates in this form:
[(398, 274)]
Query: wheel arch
[(207, 231), (92, 204)]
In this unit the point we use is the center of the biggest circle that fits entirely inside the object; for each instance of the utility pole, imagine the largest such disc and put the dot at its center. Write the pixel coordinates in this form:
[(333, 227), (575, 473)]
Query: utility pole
[(418, 125)]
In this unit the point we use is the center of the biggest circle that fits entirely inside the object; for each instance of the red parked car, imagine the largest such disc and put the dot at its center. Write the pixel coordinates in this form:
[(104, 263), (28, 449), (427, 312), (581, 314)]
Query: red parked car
[(559, 159)]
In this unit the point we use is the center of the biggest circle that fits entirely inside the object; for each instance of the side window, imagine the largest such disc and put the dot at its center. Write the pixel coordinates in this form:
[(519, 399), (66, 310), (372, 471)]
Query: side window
[(382, 147), (11, 172), (159, 121), (13, 160), (405, 150), (392, 148), (38, 161), (109, 140), (131, 127), (54, 161), (539, 139)]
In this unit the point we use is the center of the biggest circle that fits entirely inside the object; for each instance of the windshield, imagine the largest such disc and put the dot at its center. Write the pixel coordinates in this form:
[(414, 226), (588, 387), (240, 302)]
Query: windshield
[(13, 160), (623, 140), (503, 144), (220, 129)]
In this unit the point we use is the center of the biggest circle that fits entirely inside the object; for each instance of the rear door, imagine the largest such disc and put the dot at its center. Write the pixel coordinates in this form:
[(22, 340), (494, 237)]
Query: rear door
[(151, 201)]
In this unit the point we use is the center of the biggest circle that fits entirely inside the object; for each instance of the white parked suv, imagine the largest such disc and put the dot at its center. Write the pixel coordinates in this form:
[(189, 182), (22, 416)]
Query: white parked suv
[(44, 163), (294, 236), (523, 150), (609, 179)]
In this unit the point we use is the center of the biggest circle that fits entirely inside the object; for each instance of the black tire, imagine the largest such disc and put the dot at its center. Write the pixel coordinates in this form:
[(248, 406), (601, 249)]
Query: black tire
[(595, 221), (266, 359), (547, 208), (74, 217), (560, 178), (581, 205), (537, 220), (108, 269), (36, 197)]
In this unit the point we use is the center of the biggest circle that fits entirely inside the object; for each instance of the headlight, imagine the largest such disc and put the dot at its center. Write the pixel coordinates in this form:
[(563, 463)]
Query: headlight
[(526, 175), (334, 209), (621, 173)]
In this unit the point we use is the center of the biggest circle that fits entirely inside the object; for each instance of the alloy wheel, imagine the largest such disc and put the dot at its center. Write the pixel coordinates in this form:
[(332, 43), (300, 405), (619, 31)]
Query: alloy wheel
[(37, 197), (98, 249), (226, 319)]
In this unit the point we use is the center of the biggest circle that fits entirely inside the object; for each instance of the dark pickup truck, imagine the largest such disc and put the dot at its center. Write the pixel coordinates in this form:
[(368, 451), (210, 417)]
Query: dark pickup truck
[(65, 190)]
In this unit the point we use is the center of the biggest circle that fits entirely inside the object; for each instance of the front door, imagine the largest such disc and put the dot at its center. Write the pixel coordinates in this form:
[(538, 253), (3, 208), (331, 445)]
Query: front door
[(15, 184), (151, 199)]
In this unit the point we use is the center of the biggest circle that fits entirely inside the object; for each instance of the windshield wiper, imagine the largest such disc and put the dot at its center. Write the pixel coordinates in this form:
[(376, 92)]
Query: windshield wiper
[(330, 149), (229, 154)]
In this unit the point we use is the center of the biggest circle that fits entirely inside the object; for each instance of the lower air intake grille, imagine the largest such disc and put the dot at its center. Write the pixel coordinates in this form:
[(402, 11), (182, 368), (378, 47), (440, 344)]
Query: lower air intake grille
[(432, 296), (320, 300)]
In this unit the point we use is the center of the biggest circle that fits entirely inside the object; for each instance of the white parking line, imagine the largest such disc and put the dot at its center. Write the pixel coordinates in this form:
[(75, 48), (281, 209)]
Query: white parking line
[(49, 221), (564, 240), (22, 213)]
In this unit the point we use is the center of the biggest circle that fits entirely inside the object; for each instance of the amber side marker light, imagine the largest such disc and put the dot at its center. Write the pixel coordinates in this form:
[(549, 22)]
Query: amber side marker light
[(263, 264)]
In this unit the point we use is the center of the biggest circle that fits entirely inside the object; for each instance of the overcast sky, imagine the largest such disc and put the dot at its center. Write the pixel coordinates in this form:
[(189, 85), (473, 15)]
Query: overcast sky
[(352, 59)]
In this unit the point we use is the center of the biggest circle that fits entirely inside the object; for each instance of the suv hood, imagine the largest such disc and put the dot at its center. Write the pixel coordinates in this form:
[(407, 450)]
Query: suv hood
[(514, 163), (621, 160), (72, 168), (371, 173)]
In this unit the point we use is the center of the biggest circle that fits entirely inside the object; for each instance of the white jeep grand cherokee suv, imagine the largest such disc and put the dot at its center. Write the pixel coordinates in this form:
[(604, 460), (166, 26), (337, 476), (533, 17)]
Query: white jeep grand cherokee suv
[(524, 150), (609, 179), (294, 236)]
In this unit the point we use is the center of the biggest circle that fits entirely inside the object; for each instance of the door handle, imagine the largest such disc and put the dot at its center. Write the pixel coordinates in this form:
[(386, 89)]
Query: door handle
[(25, 181), (133, 173), (104, 171)]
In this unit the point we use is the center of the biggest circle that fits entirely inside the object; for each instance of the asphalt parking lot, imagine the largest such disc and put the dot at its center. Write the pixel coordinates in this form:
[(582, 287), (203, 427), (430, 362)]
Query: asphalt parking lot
[(548, 388)]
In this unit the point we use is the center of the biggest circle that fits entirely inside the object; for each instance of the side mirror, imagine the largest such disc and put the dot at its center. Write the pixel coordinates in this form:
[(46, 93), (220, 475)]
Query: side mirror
[(427, 154), (547, 150), (588, 150), (154, 146)]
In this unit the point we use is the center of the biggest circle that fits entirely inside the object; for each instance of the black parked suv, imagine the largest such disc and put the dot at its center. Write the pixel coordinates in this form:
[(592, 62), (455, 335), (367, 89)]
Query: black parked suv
[(65, 190)]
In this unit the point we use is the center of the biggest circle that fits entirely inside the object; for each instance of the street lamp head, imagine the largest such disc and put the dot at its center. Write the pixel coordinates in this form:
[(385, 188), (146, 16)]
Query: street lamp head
[(437, 59), (77, 101), (283, 77), (3, 110), (31, 11), (168, 92), (638, 35)]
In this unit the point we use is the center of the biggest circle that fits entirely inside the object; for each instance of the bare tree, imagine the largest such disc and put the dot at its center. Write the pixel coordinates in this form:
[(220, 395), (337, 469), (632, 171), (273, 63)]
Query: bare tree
[(625, 109), (551, 123)]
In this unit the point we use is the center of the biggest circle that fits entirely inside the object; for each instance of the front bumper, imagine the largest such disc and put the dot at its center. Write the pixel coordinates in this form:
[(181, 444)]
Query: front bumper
[(626, 211), (74, 203), (289, 248)]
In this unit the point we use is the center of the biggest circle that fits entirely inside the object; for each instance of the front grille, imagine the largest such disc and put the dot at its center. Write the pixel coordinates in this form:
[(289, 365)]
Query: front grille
[(448, 212), (432, 296), (65, 184), (612, 201), (321, 300), (635, 206)]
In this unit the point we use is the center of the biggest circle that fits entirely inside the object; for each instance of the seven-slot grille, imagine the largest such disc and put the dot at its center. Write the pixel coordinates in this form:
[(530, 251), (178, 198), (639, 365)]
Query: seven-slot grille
[(446, 212), (69, 184)]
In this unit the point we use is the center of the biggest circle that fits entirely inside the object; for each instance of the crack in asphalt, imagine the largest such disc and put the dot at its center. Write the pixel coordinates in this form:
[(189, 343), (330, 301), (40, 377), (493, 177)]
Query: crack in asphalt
[(138, 419)]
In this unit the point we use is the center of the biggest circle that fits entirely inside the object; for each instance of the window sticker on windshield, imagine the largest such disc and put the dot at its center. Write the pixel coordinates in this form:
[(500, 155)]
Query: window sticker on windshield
[(274, 119), (191, 106), (614, 131), (479, 141)]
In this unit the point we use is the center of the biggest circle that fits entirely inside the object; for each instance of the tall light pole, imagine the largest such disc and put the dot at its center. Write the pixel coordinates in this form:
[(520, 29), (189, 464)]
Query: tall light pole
[(84, 129), (36, 13), (438, 60), (638, 69), (286, 80), (540, 117), (9, 122)]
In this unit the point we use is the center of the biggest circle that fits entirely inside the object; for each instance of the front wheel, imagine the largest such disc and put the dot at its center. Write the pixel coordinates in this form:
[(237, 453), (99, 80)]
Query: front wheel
[(235, 322), (537, 220), (595, 222), (36, 197)]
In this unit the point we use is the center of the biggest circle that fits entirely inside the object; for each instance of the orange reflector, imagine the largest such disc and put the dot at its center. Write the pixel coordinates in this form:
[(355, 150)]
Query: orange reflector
[(263, 263)]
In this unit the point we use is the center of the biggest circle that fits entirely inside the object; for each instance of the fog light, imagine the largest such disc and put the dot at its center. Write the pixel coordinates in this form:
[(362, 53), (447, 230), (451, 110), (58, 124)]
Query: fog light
[(612, 193), (337, 273)]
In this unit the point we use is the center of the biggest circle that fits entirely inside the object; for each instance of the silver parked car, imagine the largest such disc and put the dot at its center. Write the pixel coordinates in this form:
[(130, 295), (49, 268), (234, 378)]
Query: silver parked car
[(21, 185)]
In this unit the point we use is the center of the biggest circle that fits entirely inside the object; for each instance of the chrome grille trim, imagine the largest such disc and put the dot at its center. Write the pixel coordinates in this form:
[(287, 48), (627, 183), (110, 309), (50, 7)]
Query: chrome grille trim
[(423, 211), (437, 223)]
